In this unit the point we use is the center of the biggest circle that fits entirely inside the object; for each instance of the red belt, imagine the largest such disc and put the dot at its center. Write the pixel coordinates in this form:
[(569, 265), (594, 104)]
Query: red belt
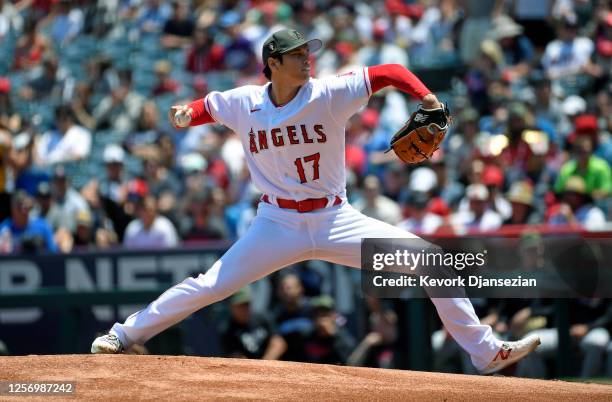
[(308, 205)]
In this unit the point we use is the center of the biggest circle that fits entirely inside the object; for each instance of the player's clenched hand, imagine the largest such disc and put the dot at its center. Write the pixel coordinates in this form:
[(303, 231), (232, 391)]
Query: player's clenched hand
[(180, 116)]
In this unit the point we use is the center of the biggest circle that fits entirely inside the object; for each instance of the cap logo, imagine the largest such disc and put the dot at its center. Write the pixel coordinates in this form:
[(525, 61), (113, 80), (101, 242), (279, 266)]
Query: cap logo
[(296, 35), (272, 46)]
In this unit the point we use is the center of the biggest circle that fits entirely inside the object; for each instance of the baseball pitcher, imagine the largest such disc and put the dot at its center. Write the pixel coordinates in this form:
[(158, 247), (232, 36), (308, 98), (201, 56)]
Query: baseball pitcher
[(292, 131)]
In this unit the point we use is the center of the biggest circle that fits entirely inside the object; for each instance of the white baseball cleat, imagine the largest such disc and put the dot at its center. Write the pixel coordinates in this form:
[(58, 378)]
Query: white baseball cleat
[(107, 344), (511, 352)]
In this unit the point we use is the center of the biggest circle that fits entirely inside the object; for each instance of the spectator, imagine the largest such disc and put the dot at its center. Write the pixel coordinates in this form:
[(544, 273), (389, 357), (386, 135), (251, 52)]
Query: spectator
[(67, 20), (114, 186), (47, 82), (479, 217), (493, 178), (594, 170), (165, 84), (517, 49), (570, 54), (22, 234), (69, 142), (375, 205), (9, 117), (420, 220), (204, 55), (179, 28), (153, 16), (377, 347), (449, 191), (120, 110), (67, 202), (292, 316), (146, 134), (82, 104), (329, 342), (198, 223), (521, 199), (380, 51), (249, 335), (27, 174), (10, 19), (150, 230), (576, 207), (43, 200), (30, 47), (239, 53)]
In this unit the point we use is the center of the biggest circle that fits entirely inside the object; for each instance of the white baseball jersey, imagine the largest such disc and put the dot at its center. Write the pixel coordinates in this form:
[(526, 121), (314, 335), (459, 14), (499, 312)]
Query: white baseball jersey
[(294, 151)]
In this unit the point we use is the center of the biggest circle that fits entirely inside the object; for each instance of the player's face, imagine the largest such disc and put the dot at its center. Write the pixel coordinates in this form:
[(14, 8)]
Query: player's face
[(296, 65)]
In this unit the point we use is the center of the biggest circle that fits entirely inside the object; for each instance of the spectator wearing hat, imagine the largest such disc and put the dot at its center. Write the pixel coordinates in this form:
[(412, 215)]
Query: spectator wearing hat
[(178, 29), (570, 54), (69, 142), (479, 216), (594, 170), (67, 202), (114, 185), (373, 204), (484, 72), (517, 49), (150, 230), (576, 207), (329, 342), (42, 200), (21, 233), (493, 178), (247, 334), (521, 199)]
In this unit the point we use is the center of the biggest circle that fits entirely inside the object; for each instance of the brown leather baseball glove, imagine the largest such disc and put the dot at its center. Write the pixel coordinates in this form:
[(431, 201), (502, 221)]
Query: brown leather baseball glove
[(422, 135)]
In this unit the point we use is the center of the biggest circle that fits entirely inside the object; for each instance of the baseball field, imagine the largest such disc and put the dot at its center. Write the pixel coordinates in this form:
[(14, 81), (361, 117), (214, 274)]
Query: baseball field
[(133, 377)]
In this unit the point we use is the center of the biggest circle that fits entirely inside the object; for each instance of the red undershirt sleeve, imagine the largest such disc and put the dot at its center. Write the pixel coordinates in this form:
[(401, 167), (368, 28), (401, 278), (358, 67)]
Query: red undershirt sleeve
[(397, 76), (200, 114)]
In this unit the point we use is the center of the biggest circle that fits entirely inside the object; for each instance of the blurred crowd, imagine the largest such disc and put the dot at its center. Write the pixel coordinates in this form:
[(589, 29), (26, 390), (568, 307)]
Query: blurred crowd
[(88, 159)]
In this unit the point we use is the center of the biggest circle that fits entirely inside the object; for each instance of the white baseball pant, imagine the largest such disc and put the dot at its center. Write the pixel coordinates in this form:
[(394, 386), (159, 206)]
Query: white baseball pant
[(281, 237)]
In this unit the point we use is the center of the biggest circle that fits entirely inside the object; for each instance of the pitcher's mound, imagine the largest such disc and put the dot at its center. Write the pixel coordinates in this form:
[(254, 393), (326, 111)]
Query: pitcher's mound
[(129, 377)]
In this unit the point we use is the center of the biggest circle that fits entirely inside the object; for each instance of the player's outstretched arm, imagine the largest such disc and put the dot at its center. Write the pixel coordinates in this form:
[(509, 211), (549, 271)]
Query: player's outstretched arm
[(193, 114), (400, 77)]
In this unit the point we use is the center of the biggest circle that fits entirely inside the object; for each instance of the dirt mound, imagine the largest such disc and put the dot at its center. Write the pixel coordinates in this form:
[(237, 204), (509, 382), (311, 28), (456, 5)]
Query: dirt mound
[(129, 377)]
